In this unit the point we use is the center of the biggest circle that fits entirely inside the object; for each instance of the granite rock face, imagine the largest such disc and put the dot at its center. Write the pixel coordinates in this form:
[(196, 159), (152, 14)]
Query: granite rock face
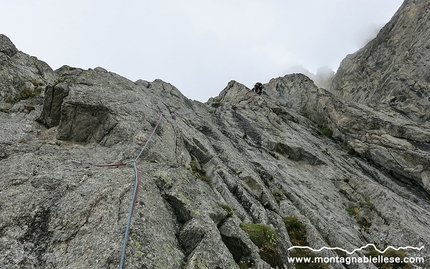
[(392, 70), (389, 81), (216, 177), (22, 76)]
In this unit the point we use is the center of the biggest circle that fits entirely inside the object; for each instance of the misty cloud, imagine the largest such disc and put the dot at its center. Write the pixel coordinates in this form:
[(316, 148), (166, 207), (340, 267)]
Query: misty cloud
[(194, 42)]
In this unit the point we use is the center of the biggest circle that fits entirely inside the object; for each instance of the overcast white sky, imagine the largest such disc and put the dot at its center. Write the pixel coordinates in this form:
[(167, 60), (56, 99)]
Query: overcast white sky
[(196, 45)]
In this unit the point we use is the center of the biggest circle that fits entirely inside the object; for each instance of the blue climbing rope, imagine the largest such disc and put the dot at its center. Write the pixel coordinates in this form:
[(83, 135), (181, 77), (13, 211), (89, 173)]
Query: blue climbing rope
[(136, 189), (137, 178), (149, 139)]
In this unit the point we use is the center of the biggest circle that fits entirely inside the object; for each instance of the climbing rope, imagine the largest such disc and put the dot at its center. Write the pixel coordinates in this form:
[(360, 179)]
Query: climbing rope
[(137, 179), (136, 189), (101, 165)]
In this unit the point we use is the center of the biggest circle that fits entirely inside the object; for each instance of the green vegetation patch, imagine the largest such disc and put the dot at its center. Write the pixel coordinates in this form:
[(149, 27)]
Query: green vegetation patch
[(366, 203), (297, 233), (278, 196), (265, 238), (355, 210), (296, 230), (327, 131), (350, 150), (28, 93), (352, 210), (199, 172), (37, 83), (25, 94), (227, 209)]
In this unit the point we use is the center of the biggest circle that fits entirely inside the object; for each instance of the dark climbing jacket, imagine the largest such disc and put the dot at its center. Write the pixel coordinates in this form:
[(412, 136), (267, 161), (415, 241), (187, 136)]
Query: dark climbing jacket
[(258, 88)]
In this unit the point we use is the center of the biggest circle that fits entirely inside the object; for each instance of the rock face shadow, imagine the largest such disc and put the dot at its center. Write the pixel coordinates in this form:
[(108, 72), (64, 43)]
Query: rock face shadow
[(85, 123)]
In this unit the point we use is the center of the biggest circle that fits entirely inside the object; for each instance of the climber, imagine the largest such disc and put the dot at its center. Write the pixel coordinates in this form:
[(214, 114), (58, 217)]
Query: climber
[(258, 88)]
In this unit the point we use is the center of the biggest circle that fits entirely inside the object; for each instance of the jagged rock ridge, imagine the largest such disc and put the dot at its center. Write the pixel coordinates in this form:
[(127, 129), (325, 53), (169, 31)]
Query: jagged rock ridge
[(348, 173)]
